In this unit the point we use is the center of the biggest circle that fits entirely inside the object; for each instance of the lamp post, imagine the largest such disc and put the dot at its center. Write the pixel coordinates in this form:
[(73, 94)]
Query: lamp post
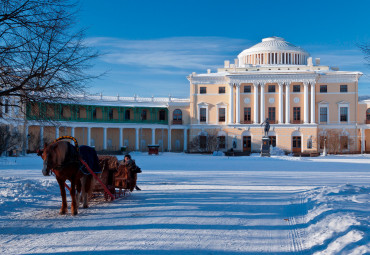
[(324, 152)]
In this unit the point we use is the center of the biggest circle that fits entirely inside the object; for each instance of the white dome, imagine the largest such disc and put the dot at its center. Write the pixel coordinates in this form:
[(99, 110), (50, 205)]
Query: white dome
[(273, 51)]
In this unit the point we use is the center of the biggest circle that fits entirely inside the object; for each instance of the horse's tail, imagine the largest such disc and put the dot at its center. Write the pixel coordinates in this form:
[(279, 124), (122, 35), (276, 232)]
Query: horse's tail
[(68, 137)]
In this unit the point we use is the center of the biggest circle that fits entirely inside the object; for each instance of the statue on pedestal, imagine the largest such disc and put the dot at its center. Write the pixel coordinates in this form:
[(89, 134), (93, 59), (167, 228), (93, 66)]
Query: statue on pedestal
[(267, 127), (265, 146)]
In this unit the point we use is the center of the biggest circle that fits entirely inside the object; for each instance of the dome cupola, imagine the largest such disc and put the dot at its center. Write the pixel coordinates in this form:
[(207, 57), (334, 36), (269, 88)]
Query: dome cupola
[(273, 51)]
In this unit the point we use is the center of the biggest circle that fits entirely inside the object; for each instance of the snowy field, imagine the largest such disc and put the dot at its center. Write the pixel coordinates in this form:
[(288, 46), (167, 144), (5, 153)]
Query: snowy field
[(197, 204)]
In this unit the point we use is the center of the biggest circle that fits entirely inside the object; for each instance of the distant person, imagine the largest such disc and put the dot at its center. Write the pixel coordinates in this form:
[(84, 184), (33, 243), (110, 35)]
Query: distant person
[(132, 166)]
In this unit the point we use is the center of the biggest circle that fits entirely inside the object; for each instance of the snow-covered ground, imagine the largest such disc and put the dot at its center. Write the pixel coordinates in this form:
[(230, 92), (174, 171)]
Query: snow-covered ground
[(197, 204)]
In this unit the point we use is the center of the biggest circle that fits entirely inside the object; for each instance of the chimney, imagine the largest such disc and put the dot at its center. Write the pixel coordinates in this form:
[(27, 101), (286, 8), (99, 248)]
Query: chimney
[(208, 70), (317, 60), (227, 64)]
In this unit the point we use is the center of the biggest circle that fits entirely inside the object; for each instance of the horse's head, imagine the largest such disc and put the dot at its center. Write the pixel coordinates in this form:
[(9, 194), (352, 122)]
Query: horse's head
[(53, 156), (44, 155)]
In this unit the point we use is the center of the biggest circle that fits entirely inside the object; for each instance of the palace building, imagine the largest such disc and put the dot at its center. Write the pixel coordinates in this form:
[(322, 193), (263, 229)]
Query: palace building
[(305, 102)]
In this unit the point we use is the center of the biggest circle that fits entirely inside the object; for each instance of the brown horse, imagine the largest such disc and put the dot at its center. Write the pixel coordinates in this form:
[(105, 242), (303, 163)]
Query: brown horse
[(62, 158)]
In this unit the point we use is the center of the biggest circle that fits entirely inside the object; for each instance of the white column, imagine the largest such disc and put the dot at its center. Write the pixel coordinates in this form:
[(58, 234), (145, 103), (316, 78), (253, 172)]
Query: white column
[(281, 102), (89, 136), (237, 104), (169, 140), (26, 138), (313, 104), (120, 138), (41, 137), (362, 141), (255, 105), (56, 132), (185, 139), (305, 119), (73, 134), (137, 139), (287, 103), (262, 102), (231, 104), (153, 135), (104, 138)]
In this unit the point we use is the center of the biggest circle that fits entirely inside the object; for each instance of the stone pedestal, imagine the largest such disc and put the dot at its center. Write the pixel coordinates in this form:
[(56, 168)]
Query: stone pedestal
[(265, 148)]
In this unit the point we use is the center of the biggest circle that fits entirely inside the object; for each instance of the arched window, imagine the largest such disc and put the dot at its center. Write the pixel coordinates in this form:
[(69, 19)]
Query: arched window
[(309, 143), (177, 117), (177, 114)]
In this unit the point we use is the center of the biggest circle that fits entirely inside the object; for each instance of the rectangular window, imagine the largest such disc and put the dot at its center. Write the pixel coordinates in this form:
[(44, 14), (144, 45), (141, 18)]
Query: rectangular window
[(247, 89), (162, 115), (247, 115), (297, 142), (271, 89), (221, 90), (143, 115), (343, 114), (343, 88), (297, 114), (127, 114), (110, 113), (323, 88), (221, 114), (202, 90), (296, 88), (203, 114), (323, 114), (272, 114)]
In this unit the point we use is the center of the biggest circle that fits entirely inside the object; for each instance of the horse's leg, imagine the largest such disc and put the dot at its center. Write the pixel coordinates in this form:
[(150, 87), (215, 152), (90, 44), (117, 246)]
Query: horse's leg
[(63, 209), (88, 189), (73, 196), (78, 196), (84, 191)]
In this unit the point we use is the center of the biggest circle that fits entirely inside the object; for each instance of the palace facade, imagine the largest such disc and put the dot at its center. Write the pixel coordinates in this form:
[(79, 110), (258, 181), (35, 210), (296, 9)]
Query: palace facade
[(304, 101)]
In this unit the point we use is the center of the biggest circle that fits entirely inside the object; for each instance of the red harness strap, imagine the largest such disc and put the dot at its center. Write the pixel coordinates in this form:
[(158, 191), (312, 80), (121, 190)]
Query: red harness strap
[(97, 178)]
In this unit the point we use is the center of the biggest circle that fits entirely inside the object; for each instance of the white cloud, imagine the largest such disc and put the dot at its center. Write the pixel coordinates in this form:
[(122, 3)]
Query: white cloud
[(190, 53)]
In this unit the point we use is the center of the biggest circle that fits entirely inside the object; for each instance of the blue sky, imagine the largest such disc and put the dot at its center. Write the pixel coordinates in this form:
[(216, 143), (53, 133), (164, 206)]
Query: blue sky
[(149, 47)]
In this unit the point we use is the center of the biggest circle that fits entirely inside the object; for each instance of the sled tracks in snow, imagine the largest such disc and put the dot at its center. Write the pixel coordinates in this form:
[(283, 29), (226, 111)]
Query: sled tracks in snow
[(330, 220)]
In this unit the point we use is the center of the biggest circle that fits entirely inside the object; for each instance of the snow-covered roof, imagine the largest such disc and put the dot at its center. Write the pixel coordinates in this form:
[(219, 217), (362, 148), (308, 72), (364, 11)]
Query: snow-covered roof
[(134, 101)]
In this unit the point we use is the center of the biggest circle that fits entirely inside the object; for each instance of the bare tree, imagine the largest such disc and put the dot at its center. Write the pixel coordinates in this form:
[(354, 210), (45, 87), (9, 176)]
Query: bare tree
[(42, 55), (9, 139), (336, 142), (204, 143)]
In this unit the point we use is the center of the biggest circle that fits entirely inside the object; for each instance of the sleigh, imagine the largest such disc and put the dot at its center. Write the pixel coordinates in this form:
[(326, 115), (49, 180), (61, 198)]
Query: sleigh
[(115, 179)]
